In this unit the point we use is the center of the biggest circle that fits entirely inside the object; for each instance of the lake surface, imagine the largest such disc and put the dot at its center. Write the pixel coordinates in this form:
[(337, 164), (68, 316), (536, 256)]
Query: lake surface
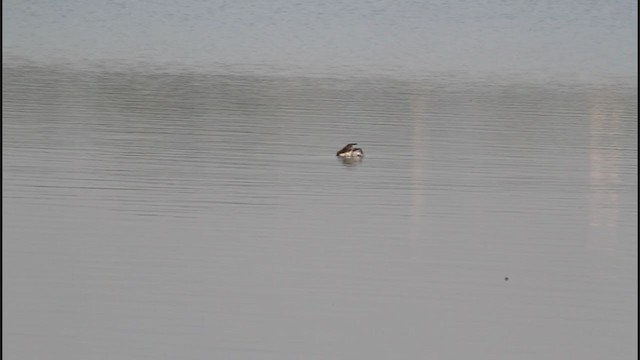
[(171, 191), (573, 39), (153, 214)]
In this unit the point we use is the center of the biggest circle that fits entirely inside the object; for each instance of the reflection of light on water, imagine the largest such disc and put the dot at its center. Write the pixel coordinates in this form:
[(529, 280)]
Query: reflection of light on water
[(605, 164), (419, 146)]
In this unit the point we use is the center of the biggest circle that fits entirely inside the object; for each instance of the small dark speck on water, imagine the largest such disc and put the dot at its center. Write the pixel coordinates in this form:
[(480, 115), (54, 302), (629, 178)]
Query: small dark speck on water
[(506, 278)]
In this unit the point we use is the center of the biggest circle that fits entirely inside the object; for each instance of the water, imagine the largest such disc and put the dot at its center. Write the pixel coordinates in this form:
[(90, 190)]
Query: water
[(570, 39), (161, 215), (170, 185)]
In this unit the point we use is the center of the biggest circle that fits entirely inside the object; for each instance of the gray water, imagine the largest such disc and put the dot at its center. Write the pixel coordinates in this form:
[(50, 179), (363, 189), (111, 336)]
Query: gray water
[(171, 190), (157, 215), (573, 39)]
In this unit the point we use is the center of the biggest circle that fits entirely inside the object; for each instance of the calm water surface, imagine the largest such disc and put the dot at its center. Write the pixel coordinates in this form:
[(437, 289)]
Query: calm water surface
[(153, 214)]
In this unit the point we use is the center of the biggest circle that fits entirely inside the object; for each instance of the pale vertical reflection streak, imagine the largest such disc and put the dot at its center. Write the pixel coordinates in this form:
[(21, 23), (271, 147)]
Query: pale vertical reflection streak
[(419, 106), (604, 160)]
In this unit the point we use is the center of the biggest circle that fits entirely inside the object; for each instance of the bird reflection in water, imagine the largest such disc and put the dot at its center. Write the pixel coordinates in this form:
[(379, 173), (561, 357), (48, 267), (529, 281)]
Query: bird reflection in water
[(350, 161)]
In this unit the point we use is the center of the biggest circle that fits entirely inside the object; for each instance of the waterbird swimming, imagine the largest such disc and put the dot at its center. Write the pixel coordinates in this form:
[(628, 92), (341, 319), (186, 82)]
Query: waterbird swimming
[(350, 151)]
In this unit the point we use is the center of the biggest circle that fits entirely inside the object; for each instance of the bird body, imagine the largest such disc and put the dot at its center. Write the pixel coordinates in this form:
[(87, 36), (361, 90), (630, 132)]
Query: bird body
[(350, 151)]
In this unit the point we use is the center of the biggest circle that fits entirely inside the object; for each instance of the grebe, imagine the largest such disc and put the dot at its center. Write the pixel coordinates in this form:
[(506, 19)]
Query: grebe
[(349, 151)]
